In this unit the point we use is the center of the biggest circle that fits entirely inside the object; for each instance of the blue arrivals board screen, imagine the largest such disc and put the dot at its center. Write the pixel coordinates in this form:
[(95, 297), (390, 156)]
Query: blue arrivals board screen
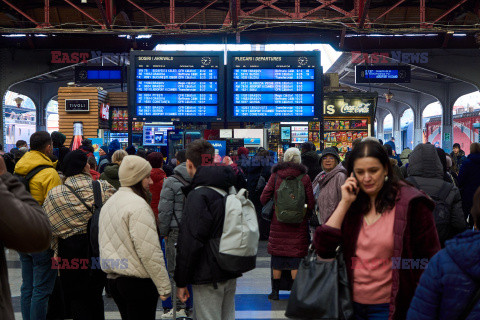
[(382, 74), (177, 86), (274, 86)]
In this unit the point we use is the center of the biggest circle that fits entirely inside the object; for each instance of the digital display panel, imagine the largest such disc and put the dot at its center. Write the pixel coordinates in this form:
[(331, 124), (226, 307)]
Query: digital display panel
[(174, 85), (155, 135), (382, 74), (299, 134), (100, 74), (268, 86), (104, 74)]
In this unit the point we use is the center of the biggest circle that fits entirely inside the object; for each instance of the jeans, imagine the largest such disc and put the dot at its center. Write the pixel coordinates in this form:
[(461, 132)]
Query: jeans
[(214, 304), (38, 280), (371, 311), (135, 298), (170, 254)]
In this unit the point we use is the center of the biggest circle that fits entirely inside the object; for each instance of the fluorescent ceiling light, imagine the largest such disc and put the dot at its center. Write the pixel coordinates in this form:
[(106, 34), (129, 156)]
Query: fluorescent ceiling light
[(14, 35), (143, 36)]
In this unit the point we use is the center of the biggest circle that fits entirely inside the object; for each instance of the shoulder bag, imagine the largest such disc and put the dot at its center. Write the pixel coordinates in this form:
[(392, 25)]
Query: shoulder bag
[(268, 208), (321, 289)]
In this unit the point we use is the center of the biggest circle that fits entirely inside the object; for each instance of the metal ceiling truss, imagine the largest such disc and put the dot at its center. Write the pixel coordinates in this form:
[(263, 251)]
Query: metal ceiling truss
[(325, 13)]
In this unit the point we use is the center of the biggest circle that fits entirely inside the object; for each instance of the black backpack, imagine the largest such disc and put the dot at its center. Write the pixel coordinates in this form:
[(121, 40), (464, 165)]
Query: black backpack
[(442, 211), (92, 227), (25, 180)]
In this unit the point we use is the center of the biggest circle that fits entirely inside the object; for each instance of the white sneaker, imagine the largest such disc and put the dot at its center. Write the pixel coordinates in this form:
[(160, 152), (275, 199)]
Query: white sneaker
[(181, 313), (169, 314)]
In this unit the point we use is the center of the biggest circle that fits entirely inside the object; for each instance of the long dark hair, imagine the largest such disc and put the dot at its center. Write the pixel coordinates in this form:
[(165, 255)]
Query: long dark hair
[(140, 191), (386, 197)]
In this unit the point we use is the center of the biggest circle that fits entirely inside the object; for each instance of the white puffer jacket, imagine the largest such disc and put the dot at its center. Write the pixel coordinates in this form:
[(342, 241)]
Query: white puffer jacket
[(127, 230)]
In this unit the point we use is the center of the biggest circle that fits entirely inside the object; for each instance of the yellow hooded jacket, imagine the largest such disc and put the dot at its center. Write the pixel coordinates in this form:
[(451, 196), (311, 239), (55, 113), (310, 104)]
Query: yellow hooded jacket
[(42, 182)]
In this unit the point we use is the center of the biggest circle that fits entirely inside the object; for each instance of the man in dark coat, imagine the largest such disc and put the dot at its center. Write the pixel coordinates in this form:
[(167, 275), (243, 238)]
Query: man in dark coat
[(469, 178), (203, 217), (458, 156), (59, 150), (425, 170), (311, 160), (258, 173)]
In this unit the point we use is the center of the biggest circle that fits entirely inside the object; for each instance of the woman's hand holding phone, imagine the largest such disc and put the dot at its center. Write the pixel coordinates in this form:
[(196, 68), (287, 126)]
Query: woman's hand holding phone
[(350, 189)]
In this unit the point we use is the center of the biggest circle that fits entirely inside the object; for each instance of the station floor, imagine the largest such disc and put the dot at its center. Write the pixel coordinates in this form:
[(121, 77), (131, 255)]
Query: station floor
[(250, 302)]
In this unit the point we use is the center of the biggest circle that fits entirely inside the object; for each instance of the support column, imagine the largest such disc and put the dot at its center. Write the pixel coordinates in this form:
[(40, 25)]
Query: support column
[(380, 116), (417, 126), (3, 90), (447, 120), (379, 133), (397, 132), (447, 128)]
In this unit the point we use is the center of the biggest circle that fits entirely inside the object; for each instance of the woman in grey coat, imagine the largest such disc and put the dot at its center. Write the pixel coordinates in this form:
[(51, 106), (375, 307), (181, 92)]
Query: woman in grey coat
[(326, 186)]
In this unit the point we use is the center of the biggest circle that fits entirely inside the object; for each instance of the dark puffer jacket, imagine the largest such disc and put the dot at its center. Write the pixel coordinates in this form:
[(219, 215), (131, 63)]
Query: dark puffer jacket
[(458, 159), (287, 239), (202, 220), (311, 160), (425, 170), (172, 200), (450, 281), (469, 180)]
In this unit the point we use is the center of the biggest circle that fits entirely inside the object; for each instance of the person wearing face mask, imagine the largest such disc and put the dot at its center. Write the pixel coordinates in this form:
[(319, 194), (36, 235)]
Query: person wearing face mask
[(386, 231), (450, 283), (129, 245), (327, 185)]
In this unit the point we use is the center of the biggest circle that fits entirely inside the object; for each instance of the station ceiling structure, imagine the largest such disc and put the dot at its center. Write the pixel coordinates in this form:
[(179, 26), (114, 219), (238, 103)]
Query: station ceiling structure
[(339, 22)]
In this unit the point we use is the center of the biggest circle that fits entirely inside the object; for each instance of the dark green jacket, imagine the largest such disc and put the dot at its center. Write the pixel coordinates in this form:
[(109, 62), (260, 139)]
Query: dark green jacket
[(110, 174)]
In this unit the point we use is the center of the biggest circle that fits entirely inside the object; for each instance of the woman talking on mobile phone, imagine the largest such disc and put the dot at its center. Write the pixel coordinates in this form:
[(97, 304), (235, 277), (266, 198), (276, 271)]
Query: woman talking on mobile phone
[(387, 233)]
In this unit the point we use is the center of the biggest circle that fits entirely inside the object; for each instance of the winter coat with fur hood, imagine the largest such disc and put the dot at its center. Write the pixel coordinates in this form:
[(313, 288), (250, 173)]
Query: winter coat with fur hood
[(287, 239)]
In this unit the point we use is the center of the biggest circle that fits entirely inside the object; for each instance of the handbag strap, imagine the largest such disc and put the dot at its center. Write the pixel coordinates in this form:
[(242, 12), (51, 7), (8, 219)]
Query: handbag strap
[(466, 312), (97, 194), (78, 197)]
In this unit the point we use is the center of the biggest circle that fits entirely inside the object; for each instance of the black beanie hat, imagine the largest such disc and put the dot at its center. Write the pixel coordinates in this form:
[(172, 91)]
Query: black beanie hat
[(74, 163), (330, 151)]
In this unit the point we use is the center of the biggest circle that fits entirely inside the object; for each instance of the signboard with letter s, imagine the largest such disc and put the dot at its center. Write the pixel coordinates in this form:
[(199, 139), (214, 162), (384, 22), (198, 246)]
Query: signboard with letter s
[(343, 105)]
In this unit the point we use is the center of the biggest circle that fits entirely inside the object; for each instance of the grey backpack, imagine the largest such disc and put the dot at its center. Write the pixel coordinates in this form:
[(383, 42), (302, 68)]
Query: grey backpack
[(236, 250)]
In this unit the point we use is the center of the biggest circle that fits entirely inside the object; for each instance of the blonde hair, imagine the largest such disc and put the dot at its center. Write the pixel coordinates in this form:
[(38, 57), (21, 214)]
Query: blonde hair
[(292, 155), (118, 156), (475, 147)]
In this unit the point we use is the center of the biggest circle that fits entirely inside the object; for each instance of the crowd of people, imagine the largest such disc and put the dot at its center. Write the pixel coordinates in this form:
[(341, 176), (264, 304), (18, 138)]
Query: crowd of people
[(157, 219)]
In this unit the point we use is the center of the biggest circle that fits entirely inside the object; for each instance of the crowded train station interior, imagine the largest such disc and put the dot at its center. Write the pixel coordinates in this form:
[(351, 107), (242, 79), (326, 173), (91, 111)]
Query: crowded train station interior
[(239, 159)]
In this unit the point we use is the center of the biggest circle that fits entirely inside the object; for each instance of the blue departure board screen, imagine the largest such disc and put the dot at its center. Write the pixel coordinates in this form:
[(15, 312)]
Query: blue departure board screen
[(274, 86), (170, 86), (382, 74)]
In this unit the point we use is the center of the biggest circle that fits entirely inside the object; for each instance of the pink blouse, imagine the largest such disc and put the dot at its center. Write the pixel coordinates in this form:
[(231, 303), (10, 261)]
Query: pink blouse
[(372, 264)]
